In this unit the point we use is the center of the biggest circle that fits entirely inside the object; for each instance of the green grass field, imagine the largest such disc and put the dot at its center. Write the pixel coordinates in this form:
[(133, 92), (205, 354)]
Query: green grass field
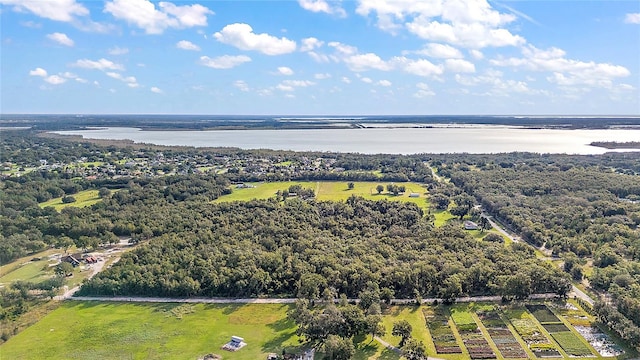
[(31, 271), (329, 190), (83, 199), (78, 330), (81, 330), (413, 315)]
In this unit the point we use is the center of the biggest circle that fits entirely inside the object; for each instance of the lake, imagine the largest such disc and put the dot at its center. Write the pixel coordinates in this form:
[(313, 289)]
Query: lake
[(476, 139)]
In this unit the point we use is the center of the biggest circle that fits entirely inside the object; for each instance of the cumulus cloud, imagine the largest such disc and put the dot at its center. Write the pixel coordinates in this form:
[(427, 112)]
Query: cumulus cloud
[(474, 35), (366, 80), (102, 64), (60, 38), (156, 90), (384, 83), (459, 66), (75, 77), (224, 61), (58, 10), (476, 54), (565, 71), (442, 51), (420, 67), (632, 18), (38, 72), (309, 44), (145, 15), (187, 45), (242, 37), (284, 70), (55, 79), (423, 91), (321, 76), (345, 80), (363, 62), (131, 81), (241, 85), (322, 6), (469, 23), (118, 51)]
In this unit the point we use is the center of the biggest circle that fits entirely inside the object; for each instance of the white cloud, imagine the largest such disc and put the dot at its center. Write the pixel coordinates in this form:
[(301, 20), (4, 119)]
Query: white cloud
[(320, 76), (298, 83), (156, 90), (75, 77), (366, 80), (442, 51), (58, 10), (322, 6), (60, 38), (102, 64), (473, 35), (283, 70), (565, 71), (476, 54), (311, 43), (466, 23), (118, 51), (459, 66), (38, 72), (131, 81), (145, 15), (423, 91), (632, 18), (291, 85), (224, 61), (187, 45), (55, 80), (421, 67), (345, 80), (363, 62), (241, 85), (384, 83), (242, 37), (343, 49)]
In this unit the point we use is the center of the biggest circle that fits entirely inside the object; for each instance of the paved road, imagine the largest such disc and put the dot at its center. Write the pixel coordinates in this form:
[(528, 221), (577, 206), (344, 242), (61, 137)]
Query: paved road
[(268, 300), (574, 290)]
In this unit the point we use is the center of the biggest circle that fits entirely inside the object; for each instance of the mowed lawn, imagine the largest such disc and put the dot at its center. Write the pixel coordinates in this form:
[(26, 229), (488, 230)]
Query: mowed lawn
[(330, 190), (83, 199), (94, 330)]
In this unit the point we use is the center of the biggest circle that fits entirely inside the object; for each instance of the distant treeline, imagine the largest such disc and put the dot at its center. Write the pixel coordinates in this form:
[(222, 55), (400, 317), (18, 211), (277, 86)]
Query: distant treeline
[(617, 145), (201, 122)]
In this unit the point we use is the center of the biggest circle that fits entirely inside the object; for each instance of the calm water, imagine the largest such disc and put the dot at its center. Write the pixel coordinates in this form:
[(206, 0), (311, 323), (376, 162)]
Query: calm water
[(468, 139)]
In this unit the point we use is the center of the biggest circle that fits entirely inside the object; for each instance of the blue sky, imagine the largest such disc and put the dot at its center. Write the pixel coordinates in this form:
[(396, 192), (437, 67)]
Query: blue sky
[(315, 57)]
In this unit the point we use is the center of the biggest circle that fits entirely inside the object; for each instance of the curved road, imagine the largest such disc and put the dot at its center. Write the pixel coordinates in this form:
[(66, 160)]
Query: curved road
[(574, 290)]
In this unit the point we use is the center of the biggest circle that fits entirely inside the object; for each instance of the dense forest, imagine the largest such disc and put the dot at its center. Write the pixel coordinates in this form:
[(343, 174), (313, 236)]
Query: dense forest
[(588, 215), (298, 248)]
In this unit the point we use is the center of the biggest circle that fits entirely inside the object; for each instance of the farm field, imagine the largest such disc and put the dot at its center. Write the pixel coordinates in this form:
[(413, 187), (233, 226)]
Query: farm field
[(83, 199), (329, 190), (186, 331)]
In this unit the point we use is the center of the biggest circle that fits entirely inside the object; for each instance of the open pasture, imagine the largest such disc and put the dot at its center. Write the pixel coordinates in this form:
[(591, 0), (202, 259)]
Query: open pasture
[(329, 190), (83, 199)]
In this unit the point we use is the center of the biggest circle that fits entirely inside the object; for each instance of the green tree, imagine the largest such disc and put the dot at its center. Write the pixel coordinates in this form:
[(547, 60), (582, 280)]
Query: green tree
[(68, 199), (351, 186), (380, 188), (337, 348), (402, 329), (63, 269), (414, 350), (104, 193)]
